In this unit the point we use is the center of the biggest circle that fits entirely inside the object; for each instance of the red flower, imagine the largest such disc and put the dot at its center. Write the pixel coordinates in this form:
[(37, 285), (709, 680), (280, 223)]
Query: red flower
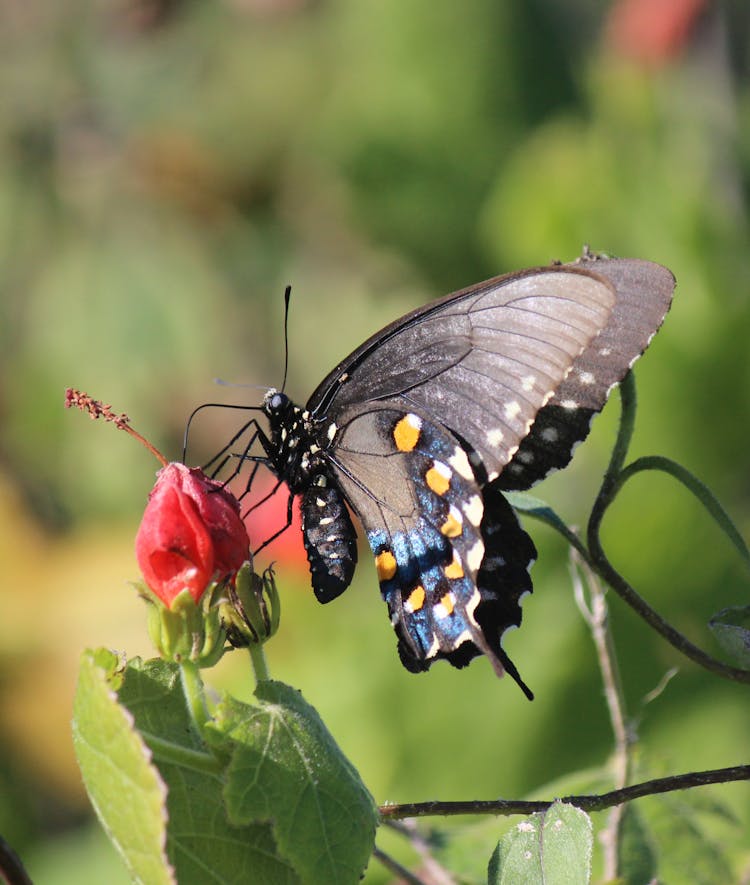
[(653, 31), (191, 534)]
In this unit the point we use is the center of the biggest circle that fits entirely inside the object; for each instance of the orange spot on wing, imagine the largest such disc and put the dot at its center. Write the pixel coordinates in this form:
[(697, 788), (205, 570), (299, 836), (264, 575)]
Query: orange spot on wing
[(451, 528), (416, 599), (437, 481), (447, 603), (385, 563), (455, 569), (406, 433)]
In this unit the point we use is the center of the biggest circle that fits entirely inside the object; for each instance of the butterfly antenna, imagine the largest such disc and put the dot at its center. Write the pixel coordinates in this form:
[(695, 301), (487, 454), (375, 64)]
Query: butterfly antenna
[(287, 297), (242, 408)]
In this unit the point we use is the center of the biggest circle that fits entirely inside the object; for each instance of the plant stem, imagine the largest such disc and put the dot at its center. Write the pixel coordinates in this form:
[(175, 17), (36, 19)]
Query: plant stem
[(195, 698), (174, 754), (393, 866), (258, 658), (585, 803), (596, 616), (598, 561)]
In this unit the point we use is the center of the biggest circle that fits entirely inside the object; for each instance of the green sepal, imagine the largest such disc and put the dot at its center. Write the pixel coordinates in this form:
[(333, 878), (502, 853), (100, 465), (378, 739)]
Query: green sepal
[(251, 609), (186, 630)]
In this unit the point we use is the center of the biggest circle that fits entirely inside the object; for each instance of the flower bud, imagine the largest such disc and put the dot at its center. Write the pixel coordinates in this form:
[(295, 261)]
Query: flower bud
[(191, 534), (251, 613)]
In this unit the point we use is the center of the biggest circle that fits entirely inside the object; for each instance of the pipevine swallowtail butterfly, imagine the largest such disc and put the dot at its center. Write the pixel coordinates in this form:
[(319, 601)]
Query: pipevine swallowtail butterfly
[(421, 430)]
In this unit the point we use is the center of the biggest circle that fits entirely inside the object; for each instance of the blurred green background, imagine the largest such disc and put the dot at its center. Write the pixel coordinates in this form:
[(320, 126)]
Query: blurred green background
[(166, 167)]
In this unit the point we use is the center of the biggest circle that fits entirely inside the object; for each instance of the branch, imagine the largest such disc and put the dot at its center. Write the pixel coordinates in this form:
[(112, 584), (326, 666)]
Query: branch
[(585, 803), (596, 615), (611, 484)]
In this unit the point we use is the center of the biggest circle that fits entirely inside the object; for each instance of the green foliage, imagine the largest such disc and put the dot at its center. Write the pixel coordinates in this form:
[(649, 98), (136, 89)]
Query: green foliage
[(269, 799), (126, 790), (552, 847), (731, 627), (166, 168), (287, 770)]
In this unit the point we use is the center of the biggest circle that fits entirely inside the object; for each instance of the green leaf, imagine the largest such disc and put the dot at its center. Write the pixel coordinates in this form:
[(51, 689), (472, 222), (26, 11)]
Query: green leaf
[(202, 844), (731, 626), (539, 509), (169, 824), (684, 827), (286, 769), (550, 848), (461, 845), (125, 788), (637, 861)]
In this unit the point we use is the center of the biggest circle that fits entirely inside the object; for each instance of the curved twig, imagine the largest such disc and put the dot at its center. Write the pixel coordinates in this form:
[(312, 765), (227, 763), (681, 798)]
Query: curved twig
[(611, 484)]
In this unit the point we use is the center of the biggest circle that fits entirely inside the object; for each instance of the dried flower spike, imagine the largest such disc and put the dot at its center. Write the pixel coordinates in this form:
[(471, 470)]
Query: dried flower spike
[(95, 409)]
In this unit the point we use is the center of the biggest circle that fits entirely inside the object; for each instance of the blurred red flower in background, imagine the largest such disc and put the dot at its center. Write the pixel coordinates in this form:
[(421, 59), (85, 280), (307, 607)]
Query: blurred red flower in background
[(264, 521), (653, 32)]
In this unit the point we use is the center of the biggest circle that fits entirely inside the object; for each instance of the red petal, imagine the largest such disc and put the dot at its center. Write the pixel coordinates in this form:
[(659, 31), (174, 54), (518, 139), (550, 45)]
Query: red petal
[(173, 546)]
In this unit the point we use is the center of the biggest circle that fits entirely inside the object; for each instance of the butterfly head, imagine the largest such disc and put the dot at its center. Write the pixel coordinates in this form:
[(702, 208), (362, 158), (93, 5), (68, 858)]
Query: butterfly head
[(275, 403)]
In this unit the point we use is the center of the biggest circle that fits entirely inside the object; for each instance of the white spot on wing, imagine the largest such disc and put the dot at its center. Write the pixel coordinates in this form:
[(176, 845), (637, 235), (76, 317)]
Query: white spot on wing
[(512, 409), (586, 378), (495, 436), (569, 404), (440, 610), (528, 382), (550, 434), (474, 510), (332, 428), (475, 556), (443, 469), (460, 463)]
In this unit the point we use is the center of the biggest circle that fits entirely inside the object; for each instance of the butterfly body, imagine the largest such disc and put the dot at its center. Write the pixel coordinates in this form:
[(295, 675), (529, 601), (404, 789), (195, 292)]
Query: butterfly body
[(297, 452), (422, 428)]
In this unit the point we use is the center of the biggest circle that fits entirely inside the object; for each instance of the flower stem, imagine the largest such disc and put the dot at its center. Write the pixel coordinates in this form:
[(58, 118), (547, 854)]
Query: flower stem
[(258, 658), (195, 698), (174, 754)]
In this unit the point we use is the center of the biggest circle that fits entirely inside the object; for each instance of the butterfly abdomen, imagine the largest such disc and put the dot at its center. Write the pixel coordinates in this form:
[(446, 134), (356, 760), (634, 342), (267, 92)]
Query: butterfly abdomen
[(330, 541)]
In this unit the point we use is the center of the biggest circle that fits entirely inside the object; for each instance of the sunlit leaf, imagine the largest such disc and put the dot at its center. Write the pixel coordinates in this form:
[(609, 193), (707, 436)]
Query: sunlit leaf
[(287, 769), (549, 848)]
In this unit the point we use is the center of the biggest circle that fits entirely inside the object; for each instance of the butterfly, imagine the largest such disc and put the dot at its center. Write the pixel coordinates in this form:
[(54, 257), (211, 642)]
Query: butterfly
[(424, 426)]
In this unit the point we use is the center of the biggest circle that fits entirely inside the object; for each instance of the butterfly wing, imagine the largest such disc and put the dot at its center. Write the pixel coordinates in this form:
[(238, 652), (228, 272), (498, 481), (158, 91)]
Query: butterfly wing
[(430, 418), (451, 562), (483, 360), (644, 293)]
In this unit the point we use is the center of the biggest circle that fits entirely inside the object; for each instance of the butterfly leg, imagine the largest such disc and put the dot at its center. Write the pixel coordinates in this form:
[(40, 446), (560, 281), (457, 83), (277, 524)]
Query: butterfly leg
[(289, 514)]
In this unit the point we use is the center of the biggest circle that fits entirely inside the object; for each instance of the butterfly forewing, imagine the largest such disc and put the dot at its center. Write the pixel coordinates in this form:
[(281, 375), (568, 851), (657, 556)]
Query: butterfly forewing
[(644, 292), (486, 359)]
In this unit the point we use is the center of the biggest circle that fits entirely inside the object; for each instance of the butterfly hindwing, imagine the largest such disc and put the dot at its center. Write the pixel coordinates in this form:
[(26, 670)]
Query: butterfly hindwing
[(427, 534)]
